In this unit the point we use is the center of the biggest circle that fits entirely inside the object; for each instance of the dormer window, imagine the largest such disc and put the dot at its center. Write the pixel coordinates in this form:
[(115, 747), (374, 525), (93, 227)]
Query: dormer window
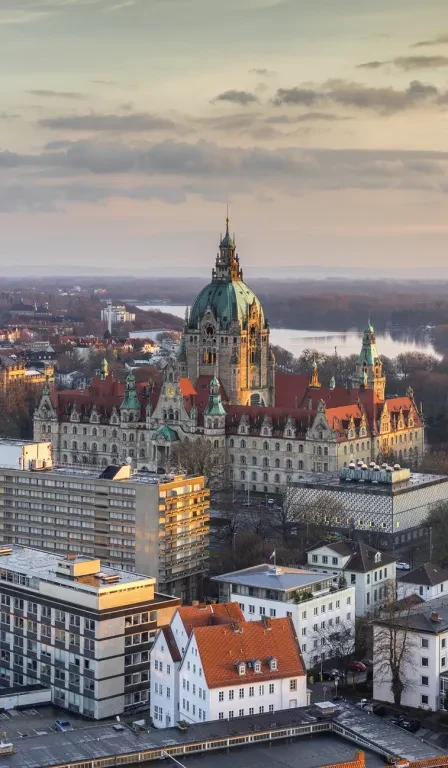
[(378, 557), (257, 666), (241, 666), (273, 664)]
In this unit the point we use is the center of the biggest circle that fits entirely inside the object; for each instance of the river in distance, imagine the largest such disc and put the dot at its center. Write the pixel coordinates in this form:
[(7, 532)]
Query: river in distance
[(325, 342)]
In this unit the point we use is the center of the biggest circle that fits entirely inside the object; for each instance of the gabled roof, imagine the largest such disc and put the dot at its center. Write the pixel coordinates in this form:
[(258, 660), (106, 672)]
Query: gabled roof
[(427, 575), (221, 647), (171, 643), (208, 615), (361, 556)]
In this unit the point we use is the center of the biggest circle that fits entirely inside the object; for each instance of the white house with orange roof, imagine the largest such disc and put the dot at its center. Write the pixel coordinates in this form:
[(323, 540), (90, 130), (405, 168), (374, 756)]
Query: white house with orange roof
[(227, 668)]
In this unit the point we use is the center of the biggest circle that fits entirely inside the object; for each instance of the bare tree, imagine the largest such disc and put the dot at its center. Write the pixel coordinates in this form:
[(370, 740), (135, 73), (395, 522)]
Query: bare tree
[(337, 643), (199, 457), (312, 521), (393, 650)]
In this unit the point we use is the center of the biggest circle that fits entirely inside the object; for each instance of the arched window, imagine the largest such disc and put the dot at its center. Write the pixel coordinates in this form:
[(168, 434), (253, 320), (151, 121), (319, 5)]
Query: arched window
[(64, 429), (104, 447), (84, 459), (319, 450), (242, 459), (131, 453), (114, 433), (232, 442), (277, 446), (104, 462), (300, 464), (124, 437), (75, 430), (243, 443), (64, 444), (84, 430), (232, 459), (131, 437), (74, 458), (265, 431), (142, 453), (265, 462), (94, 431), (94, 447), (254, 475), (300, 448), (104, 432), (114, 449), (74, 445), (266, 446), (142, 437), (49, 429), (288, 433), (277, 462), (131, 417), (288, 448), (93, 460), (288, 464), (254, 461), (265, 477), (326, 450), (243, 475), (64, 458), (215, 443), (276, 478), (84, 446)]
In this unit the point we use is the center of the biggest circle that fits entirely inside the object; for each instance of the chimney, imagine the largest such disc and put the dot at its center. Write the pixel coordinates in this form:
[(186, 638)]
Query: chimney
[(195, 603)]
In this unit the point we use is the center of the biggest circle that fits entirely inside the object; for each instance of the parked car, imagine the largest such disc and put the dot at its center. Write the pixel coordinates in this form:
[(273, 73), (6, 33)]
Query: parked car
[(63, 725), (379, 709), (404, 566), (270, 502), (330, 674), (408, 723), (356, 666), (362, 704)]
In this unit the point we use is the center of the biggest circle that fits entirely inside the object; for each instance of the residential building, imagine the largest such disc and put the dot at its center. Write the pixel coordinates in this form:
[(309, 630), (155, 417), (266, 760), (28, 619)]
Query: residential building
[(81, 628), (116, 315), (370, 572), (228, 670), (134, 521), (428, 581), (388, 506), (223, 385), (424, 632), (169, 649), (315, 605)]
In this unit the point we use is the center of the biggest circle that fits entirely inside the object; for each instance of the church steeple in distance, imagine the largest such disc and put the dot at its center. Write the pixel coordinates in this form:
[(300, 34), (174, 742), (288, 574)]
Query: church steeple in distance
[(227, 266)]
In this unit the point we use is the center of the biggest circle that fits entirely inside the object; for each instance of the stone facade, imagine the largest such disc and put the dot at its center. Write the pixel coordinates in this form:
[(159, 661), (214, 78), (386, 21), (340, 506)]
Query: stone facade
[(223, 386)]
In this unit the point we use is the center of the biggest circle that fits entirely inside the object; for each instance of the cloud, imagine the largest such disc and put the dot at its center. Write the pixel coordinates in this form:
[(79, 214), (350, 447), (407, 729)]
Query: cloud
[(439, 40), (262, 72), (408, 63), (306, 117), (237, 97), (384, 100), (136, 122), (56, 94)]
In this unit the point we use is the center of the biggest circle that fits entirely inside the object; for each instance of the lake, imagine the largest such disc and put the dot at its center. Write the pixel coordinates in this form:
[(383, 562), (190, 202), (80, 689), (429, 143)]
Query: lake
[(347, 343)]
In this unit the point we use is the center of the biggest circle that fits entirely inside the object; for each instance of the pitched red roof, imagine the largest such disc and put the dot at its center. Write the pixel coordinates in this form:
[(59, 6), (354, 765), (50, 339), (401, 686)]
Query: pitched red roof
[(194, 616), (221, 647), (186, 386)]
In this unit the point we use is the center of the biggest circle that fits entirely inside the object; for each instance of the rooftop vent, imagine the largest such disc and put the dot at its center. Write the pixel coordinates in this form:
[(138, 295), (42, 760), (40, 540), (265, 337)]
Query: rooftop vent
[(111, 579), (436, 617), (5, 550)]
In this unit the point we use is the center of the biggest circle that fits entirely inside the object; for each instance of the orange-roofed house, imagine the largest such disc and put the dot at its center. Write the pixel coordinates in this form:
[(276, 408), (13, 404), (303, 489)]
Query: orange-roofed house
[(224, 667)]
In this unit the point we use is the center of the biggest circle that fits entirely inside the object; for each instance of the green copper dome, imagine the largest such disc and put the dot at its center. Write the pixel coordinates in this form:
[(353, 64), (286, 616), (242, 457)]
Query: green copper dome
[(229, 301)]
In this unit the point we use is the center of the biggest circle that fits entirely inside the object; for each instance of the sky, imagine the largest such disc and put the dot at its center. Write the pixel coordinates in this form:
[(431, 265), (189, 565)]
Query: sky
[(128, 126)]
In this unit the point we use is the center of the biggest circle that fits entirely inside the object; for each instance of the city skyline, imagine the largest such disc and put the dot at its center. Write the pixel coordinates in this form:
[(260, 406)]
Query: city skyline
[(128, 126)]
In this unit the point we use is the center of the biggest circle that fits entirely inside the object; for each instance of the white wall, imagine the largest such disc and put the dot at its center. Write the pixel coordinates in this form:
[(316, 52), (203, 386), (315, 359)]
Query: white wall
[(303, 616), (164, 700), (405, 588)]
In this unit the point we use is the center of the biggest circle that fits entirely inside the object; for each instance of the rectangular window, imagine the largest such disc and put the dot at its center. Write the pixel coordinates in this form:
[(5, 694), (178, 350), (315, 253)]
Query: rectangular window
[(230, 713), (231, 694), (293, 685), (425, 699), (335, 561), (251, 608), (324, 559), (251, 710), (425, 642), (314, 558), (241, 693), (304, 615), (425, 661), (251, 691), (271, 687), (425, 680), (221, 696)]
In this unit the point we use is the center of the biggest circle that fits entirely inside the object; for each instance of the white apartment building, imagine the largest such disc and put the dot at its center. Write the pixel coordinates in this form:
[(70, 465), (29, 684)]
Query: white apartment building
[(80, 628), (229, 670), (426, 665), (135, 521), (315, 605), (370, 572), (428, 581)]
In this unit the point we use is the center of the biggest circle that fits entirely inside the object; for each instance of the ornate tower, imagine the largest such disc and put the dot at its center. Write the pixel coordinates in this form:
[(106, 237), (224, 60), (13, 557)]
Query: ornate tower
[(226, 334), (369, 368)]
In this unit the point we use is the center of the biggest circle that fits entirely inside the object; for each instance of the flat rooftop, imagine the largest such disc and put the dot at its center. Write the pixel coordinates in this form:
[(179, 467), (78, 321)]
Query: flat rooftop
[(102, 741), (273, 577), (151, 478), (331, 482), (35, 563)]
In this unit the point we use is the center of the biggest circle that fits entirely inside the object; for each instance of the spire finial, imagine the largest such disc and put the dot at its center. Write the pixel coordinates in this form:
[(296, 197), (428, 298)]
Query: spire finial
[(227, 220)]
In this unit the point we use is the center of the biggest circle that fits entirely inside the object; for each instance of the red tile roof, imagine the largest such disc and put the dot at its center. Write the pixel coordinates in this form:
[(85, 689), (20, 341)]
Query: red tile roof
[(186, 387), (208, 615), (221, 647)]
